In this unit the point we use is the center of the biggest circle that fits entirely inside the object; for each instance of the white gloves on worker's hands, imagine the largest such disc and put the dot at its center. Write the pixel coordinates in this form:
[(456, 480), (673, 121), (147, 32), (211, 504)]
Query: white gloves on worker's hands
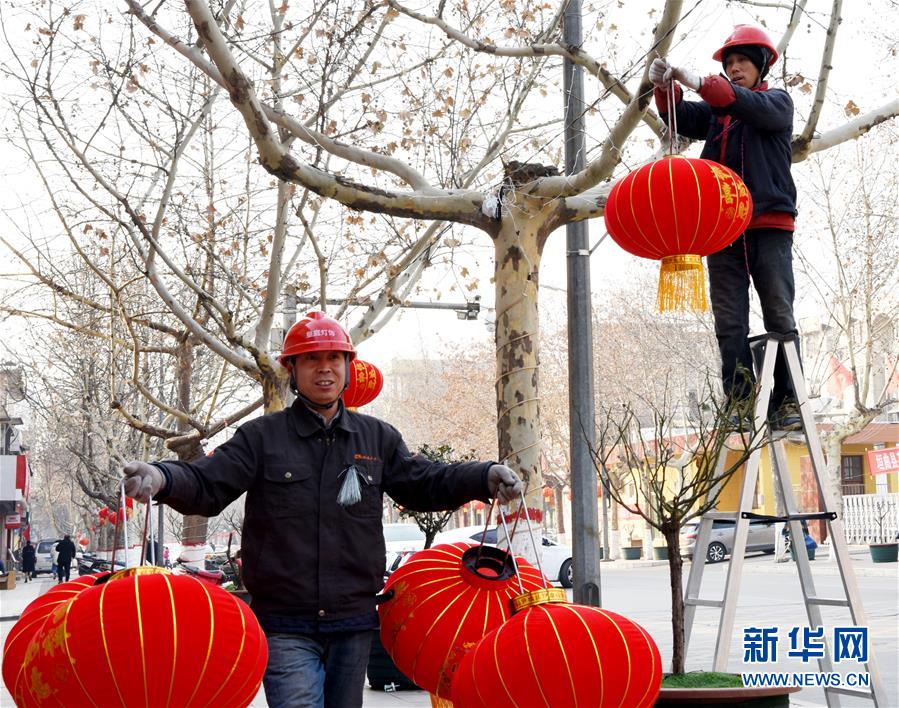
[(661, 73), (504, 484), (142, 480), (657, 71)]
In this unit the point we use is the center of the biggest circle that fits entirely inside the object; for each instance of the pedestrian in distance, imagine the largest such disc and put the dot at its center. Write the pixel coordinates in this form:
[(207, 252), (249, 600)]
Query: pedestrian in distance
[(313, 555), (65, 550), (29, 560), (748, 127)]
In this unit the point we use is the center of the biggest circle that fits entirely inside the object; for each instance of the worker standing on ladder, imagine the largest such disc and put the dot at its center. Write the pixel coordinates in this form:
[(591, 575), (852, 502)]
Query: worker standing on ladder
[(747, 127)]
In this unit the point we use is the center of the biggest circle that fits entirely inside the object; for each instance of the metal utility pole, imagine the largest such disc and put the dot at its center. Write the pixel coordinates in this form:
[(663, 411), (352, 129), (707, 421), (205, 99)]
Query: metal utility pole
[(580, 341)]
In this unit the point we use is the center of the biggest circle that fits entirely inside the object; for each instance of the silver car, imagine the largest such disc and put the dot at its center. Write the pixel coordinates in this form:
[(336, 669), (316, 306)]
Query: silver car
[(721, 542)]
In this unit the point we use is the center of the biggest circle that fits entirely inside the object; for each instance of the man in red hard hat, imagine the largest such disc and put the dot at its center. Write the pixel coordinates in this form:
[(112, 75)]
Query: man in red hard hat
[(312, 550), (748, 127)]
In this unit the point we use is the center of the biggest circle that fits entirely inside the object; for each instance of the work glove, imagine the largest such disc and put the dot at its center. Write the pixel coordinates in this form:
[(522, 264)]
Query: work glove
[(685, 76), (504, 484), (142, 481), (657, 71)]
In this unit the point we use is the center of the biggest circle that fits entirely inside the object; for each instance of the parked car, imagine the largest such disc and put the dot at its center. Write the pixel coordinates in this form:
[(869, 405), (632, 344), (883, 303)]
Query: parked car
[(401, 540), (721, 541), (88, 565), (43, 555), (555, 558)]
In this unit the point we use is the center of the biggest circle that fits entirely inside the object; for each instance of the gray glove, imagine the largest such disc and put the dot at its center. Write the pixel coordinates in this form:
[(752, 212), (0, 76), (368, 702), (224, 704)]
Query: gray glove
[(657, 71), (142, 481), (504, 484), (685, 76)]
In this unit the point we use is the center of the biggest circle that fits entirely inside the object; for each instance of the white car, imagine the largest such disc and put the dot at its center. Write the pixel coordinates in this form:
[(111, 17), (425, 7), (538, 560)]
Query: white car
[(45, 556), (554, 557), (400, 541)]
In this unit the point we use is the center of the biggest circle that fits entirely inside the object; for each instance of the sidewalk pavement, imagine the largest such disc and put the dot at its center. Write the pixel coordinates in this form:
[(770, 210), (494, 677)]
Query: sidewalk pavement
[(12, 602), (824, 564)]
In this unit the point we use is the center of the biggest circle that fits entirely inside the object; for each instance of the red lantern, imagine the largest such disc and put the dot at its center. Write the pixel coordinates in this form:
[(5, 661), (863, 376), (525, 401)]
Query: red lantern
[(83, 541), (103, 513), (112, 517), (366, 382), (146, 637), (32, 619), (444, 600), (678, 209), (564, 655)]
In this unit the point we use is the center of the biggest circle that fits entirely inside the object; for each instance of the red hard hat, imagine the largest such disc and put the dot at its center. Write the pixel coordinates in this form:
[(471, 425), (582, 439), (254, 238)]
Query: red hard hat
[(316, 332), (747, 34)]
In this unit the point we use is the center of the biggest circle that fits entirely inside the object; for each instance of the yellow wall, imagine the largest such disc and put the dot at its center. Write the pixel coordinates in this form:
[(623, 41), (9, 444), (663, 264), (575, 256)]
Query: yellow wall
[(795, 451)]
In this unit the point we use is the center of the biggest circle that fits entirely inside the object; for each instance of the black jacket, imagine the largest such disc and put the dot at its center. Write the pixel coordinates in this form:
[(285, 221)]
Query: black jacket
[(303, 554), (66, 550), (757, 142), (28, 559)]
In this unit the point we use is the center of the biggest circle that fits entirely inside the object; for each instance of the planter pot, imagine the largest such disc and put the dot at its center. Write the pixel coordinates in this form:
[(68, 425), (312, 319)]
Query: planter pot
[(632, 553), (747, 697), (884, 552), (660, 553)]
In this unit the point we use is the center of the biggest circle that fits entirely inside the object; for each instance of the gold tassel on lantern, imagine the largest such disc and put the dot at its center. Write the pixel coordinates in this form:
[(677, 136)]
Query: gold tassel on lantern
[(438, 702), (682, 284)]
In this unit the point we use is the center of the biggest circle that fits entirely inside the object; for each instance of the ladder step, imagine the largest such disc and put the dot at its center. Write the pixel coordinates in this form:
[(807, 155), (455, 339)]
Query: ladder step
[(697, 602), (846, 691), (728, 515), (834, 601)]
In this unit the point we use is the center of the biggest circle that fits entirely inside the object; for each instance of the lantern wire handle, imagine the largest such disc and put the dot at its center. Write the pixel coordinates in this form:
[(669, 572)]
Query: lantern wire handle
[(484, 532), (527, 519), (502, 518), (115, 531), (672, 117), (148, 539)]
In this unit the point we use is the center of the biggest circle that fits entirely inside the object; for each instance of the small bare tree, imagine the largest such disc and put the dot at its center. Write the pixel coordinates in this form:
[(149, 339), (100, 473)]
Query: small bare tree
[(432, 522), (672, 466)]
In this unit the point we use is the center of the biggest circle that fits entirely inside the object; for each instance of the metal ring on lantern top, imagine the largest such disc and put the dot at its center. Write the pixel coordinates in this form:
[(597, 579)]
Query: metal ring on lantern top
[(538, 597)]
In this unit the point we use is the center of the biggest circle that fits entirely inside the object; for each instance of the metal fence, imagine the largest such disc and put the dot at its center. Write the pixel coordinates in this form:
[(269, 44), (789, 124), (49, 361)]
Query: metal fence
[(871, 518)]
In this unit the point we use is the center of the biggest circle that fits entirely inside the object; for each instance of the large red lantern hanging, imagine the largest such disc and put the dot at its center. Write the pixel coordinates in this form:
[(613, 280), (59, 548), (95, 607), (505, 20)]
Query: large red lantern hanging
[(677, 210), (33, 618), (365, 383), (563, 655), (146, 638), (444, 599)]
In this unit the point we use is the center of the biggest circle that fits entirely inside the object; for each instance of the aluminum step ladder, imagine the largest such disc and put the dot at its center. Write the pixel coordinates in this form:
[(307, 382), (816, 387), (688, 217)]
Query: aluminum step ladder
[(765, 348)]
